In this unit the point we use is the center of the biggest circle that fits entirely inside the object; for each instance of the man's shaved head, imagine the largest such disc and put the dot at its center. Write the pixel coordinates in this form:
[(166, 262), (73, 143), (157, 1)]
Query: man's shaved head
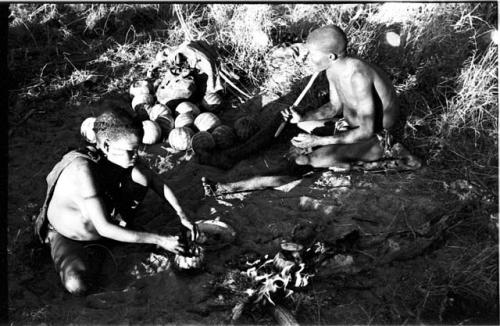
[(328, 39)]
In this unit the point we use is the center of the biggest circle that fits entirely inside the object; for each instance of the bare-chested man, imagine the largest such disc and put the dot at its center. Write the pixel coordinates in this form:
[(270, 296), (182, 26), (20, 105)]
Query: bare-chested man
[(360, 93), (355, 125), (88, 186)]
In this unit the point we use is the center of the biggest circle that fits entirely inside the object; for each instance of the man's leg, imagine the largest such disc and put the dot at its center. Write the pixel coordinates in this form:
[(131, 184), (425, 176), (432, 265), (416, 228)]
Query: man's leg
[(333, 155), (318, 127), (254, 183), (71, 262)]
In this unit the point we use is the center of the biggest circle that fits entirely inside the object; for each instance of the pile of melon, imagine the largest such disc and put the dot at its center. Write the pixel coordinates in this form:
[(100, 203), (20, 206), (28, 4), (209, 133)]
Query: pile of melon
[(185, 126)]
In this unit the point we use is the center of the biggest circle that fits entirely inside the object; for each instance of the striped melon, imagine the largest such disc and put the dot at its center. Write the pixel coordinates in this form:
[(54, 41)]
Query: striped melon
[(245, 127), (187, 107), (202, 140), (87, 130), (211, 101), (142, 98), (206, 121), (166, 123), (158, 110), (224, 136), (184, 120), (180, 138), (152, 132), (140, 87)]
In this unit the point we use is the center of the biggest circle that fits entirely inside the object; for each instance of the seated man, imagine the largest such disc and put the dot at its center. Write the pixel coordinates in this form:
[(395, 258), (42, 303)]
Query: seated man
[(85, 190), (362, 111), (360, 93)]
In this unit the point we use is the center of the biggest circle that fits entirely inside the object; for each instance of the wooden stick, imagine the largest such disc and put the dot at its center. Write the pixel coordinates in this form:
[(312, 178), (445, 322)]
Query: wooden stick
[(297, 101)]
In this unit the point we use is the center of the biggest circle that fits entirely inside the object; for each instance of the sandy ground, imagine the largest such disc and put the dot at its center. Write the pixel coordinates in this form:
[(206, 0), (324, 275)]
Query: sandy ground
[(396, 217)]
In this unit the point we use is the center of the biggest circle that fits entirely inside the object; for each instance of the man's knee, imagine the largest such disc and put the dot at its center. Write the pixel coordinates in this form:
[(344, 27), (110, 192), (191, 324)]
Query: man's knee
[(302, 160)]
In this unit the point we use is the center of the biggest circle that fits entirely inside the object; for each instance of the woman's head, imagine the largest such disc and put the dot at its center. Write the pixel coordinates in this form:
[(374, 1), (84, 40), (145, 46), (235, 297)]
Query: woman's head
[(118, 136)]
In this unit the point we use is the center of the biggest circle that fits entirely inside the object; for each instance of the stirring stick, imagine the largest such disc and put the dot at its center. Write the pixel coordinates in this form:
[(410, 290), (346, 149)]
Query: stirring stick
[(297, 101)]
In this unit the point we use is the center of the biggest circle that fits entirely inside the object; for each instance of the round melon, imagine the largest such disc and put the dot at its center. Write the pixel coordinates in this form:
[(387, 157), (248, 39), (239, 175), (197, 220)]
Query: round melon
[(180, 138), (87, 130), (206, 121), (142, 98), (166, 123), (152, 132), (245, 127), (158, 110), (224, 136), (184, 120), (211, 101), (202, 140), (187, 107), (140, 87)]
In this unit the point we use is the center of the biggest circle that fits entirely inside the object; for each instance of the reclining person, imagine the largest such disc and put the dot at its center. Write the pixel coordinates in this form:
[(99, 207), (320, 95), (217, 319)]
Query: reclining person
[(355, 125), (85, 190)]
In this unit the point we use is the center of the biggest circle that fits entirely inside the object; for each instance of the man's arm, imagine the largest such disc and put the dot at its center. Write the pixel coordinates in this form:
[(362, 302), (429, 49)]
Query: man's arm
[(365, 109), (327, 111), (93, 207)]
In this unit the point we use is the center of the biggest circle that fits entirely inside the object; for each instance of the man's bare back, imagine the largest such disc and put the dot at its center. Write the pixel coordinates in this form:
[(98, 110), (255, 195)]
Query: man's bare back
[(342, 92)]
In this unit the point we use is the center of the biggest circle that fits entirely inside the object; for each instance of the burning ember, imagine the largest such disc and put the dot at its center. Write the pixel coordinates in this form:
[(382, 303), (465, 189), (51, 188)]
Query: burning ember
[(275, 275), (263, 281)]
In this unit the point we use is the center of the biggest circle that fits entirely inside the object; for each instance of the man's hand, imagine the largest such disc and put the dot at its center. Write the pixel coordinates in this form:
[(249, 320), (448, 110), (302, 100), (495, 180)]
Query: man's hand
[(170, 243), (306, 141), (289, 114)]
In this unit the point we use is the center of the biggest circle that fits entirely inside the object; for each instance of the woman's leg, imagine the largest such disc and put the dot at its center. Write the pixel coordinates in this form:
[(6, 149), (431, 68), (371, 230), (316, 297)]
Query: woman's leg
[(70, 261)]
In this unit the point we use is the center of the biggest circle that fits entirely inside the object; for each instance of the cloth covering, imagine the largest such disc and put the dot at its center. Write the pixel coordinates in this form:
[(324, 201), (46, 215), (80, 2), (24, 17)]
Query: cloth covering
[(201, 56), (41, 221)]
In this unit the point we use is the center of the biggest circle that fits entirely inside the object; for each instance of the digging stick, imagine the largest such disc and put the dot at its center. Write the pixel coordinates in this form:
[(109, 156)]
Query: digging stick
[(297, 101)]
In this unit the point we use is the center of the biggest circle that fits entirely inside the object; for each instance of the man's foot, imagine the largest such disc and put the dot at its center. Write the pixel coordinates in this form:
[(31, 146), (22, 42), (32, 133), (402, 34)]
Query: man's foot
[(340, 167), (209, 187)]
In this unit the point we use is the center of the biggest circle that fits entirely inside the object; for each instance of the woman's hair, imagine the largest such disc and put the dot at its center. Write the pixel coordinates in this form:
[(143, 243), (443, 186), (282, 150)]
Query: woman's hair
[(114, 123)]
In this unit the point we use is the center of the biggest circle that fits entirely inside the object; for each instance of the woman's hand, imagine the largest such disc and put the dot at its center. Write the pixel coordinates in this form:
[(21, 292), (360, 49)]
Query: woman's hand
[(170, 243), (192, 227)]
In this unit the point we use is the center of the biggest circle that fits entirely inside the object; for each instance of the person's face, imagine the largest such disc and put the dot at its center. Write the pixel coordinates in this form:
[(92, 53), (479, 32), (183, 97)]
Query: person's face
[(122, 152), (318, 59)]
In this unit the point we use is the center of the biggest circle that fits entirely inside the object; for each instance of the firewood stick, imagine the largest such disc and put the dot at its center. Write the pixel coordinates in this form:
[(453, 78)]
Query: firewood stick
[(297, 101)]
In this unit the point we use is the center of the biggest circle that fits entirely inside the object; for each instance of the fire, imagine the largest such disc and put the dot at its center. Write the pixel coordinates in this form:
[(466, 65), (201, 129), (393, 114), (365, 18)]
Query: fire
[(273, 275)]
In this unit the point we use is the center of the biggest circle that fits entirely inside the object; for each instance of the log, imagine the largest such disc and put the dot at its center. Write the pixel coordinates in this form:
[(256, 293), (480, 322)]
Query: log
[(283, 316)]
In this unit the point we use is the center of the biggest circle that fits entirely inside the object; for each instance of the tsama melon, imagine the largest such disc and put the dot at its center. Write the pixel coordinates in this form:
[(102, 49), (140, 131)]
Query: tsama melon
[(87, 130), (211, 101), (245, 127), (224, 136), (152, 132), (166, 123), (142, 99), (187, 107), (158, 110), (202, 140), (184, 120), (206, 121), (180, 138)]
